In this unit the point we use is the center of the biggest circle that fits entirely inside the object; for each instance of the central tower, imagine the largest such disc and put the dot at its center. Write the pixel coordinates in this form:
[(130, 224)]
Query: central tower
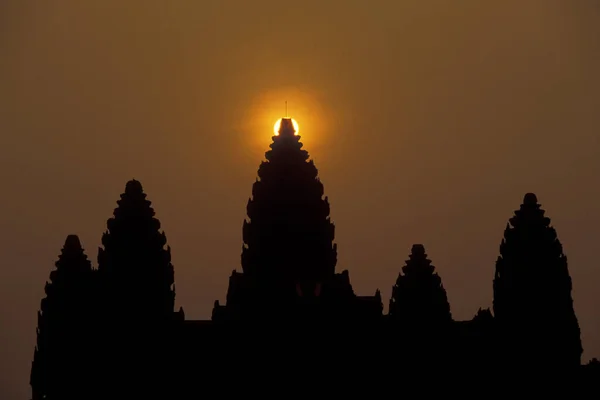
[(288, 255), (288, 235)]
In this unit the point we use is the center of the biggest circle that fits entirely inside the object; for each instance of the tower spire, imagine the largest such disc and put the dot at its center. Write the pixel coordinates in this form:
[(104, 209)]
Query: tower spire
[(532, 270), (289, 234), (286, 114)]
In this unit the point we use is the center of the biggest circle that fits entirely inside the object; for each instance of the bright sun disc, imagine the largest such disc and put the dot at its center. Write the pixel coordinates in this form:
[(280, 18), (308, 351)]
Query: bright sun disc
[(278, 124)]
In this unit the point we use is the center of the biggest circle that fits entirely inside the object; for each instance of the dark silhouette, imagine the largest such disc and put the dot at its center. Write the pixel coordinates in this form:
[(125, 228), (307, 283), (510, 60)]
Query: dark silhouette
[(64, 327), (288, 237), (113, 332), (134, 267), (288, 246), (136, 298), (532, 293), (288, 255), (419, 314), (418, 297)]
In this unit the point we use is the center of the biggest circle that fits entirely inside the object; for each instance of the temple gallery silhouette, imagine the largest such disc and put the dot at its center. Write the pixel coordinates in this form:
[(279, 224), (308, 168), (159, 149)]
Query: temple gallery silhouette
[(114, 328)]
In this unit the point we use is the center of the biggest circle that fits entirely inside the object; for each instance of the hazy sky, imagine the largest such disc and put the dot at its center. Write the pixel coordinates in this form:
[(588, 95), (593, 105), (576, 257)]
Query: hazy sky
[(428, 121)]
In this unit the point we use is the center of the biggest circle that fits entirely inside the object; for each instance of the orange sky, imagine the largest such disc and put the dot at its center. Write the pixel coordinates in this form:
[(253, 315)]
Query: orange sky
[(428, 121)]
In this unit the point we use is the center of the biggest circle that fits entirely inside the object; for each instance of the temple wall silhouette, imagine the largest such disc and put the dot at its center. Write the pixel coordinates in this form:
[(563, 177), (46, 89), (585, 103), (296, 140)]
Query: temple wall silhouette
[(114, 328)]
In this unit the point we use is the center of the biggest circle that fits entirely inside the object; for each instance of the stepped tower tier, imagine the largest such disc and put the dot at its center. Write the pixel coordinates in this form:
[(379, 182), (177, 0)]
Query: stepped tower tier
[(288, 236), (532, 289)]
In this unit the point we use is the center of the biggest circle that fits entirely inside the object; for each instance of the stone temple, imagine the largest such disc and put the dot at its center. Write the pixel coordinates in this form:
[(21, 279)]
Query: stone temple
[(113, 332)]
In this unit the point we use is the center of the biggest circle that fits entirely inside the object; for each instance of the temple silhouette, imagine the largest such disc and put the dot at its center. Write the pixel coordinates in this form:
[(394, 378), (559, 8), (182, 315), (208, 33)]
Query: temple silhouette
[(113, 329)]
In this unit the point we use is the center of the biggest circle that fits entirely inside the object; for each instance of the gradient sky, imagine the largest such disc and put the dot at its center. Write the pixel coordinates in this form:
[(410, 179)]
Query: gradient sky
[(428, 121)]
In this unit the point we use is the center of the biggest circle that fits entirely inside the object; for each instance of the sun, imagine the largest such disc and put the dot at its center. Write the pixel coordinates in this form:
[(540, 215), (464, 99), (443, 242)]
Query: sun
[(278, 124)]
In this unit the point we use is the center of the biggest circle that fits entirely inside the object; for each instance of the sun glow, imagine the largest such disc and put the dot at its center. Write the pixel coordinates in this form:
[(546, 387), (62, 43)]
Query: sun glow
[(278, 124)]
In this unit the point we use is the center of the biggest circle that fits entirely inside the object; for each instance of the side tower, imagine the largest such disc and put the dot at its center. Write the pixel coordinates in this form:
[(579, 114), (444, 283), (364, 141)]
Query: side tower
[(134, 266), (532, 292), (136, 280), (61, 362), (418, 298)]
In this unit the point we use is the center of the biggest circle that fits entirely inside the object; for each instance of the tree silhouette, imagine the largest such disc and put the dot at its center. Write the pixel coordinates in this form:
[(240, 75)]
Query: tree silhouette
[(134, 266), (419, 298), (532, 291), (64, 323), (288, 236)]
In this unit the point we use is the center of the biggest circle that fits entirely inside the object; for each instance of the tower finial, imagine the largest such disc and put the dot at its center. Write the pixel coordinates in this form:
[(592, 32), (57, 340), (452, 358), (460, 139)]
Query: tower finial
[(286, 109)]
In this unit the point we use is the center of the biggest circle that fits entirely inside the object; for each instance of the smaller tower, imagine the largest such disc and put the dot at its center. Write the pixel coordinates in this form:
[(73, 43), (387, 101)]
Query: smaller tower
[(419, 298), (532, 292), (134, 265), (137, 299), (60, 368)]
